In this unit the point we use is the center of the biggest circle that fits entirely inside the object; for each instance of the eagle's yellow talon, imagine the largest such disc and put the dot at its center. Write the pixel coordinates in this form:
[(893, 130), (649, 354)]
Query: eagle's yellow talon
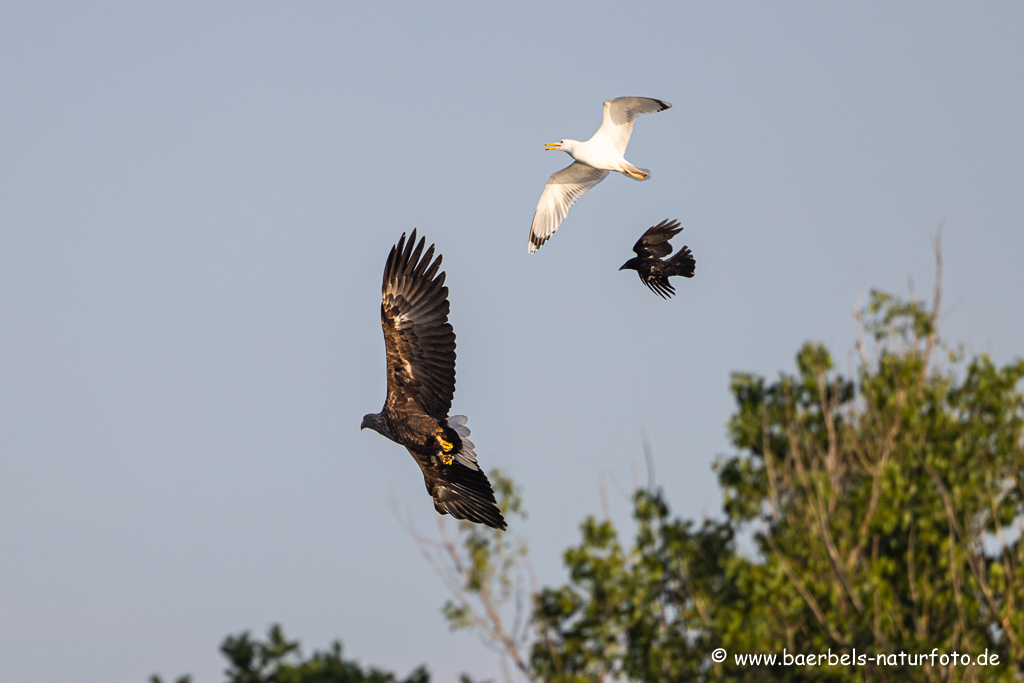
[(446, 449)]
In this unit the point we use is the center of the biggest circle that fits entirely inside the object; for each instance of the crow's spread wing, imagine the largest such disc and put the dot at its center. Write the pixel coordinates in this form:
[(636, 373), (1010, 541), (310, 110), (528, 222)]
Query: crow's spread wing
[(419, 341), (654, 242), (658, 284)]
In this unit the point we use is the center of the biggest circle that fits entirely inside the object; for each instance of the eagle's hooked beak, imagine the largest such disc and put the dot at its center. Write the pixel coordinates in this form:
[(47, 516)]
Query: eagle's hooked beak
[(552, 146)]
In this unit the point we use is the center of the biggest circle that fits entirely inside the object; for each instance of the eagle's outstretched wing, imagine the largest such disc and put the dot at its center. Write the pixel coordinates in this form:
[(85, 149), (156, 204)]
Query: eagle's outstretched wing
[(461, 492), (654, 242), (419, 341)]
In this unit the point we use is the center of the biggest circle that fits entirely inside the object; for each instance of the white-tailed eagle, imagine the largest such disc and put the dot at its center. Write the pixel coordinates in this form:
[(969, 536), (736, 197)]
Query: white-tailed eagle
[(420, 347)]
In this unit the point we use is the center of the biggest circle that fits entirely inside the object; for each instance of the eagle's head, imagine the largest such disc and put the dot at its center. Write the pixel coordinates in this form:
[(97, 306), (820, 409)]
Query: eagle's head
[(377, 423)]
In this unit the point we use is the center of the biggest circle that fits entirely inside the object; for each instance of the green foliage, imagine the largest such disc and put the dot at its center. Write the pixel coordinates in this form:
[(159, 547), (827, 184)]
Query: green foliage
[(279, 660), (878, 505), (636, 613), (878, 513)]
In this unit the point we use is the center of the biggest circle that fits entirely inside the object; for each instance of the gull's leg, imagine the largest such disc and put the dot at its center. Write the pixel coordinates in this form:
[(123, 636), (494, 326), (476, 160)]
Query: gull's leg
[(635, 172)]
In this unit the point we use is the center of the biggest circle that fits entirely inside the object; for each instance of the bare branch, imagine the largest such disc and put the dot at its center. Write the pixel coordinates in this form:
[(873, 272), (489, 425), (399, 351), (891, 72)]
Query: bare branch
[(648, 458), (480, 589), (936, 303)]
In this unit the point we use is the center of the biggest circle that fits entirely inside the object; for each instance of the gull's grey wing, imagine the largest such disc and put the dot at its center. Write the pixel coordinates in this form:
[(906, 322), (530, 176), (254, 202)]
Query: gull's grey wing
[(621, 113), (563, 189)]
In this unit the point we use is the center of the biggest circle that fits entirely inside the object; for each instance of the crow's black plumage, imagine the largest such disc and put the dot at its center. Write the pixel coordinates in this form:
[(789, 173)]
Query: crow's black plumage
[(420, 347), (650, 249)]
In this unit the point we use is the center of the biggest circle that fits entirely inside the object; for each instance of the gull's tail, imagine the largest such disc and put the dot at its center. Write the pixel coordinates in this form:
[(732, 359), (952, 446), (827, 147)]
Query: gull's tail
[(635, 172)]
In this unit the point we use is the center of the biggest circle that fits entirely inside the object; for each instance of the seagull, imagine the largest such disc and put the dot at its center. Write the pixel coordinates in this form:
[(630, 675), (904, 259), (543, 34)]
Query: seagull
[(420, 346), (650, 249), (602, 153)]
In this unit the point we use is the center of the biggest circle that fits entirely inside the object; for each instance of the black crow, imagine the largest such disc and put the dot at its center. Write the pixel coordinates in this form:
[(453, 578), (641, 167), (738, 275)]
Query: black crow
[(648, 263)]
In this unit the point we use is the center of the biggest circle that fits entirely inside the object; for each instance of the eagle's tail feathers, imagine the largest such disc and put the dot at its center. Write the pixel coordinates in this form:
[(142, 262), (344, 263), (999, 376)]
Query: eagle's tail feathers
[(458, 423), (466, 456)]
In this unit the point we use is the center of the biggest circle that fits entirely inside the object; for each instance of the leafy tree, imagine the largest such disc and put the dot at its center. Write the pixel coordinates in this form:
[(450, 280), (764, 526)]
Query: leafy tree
[(879, 513), (279, 660), (882, 508)]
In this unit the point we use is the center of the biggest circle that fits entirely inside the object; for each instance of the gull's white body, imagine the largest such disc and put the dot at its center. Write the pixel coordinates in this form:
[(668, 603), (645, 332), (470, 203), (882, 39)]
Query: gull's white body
[(593, 160)]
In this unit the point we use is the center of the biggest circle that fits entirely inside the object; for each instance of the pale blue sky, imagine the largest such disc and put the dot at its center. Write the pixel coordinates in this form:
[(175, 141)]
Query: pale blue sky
[(197, 201)]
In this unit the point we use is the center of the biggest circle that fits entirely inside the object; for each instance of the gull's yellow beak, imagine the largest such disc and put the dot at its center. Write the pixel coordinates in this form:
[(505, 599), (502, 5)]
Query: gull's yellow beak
[(551, 146)]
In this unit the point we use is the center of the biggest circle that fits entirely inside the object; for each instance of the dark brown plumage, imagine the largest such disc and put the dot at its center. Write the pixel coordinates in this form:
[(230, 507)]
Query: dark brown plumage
[(420, 345), (650, 249)]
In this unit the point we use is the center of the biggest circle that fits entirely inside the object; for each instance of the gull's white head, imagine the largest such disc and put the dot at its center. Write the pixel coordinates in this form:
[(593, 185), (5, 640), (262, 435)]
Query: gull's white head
[(566, 146)]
